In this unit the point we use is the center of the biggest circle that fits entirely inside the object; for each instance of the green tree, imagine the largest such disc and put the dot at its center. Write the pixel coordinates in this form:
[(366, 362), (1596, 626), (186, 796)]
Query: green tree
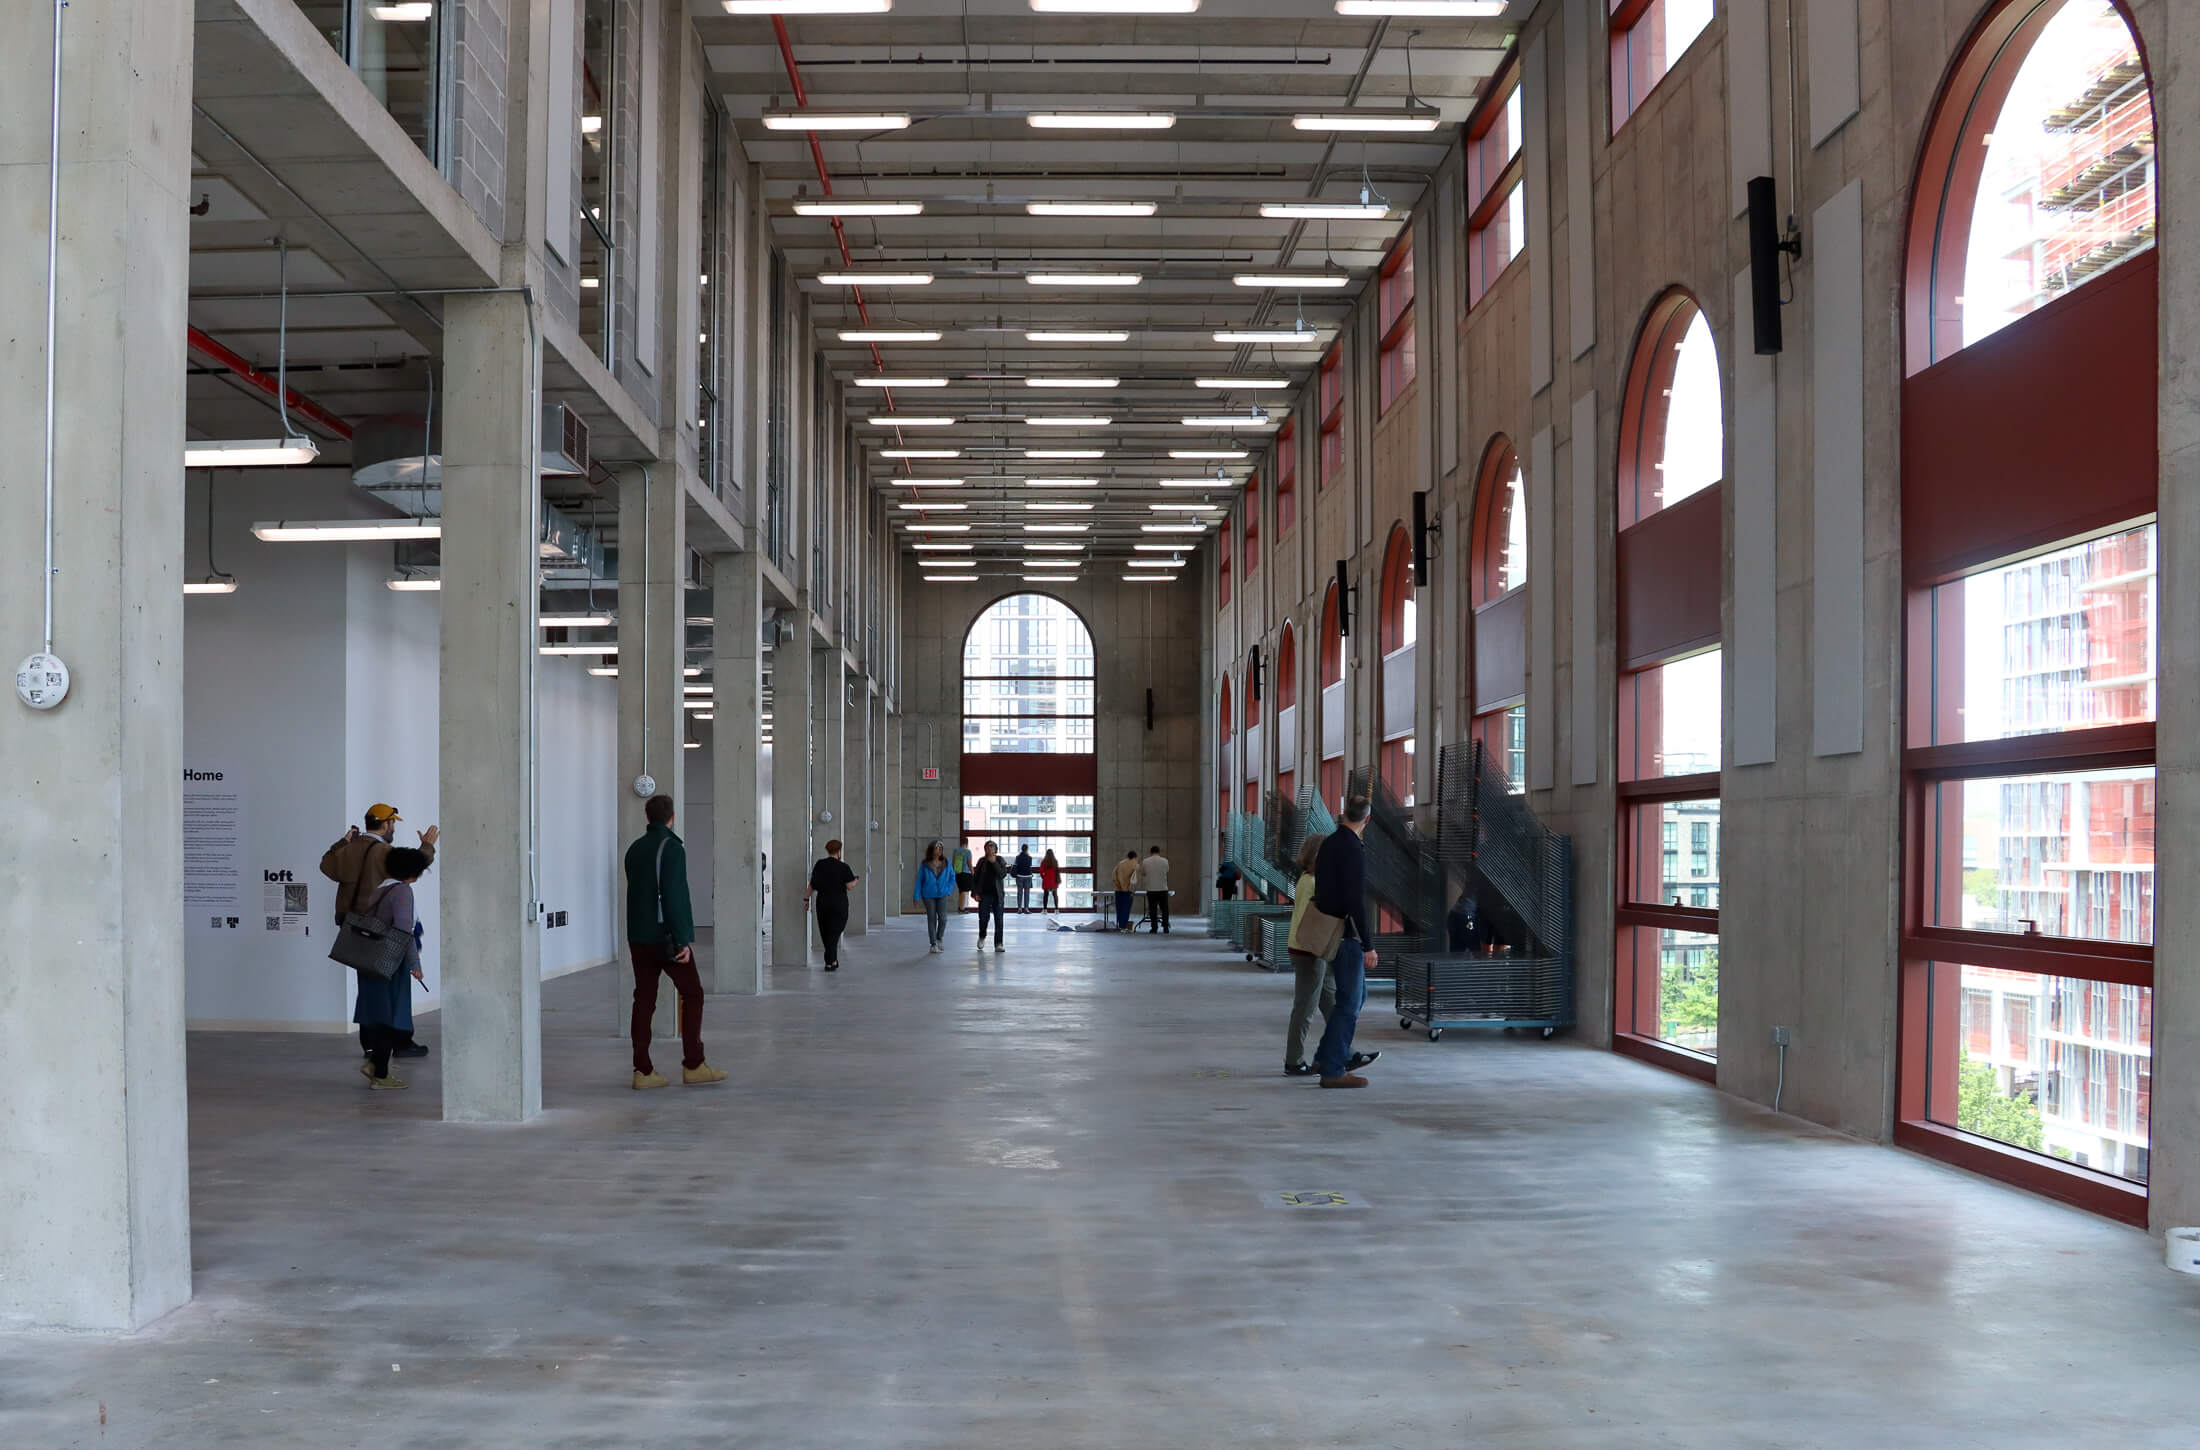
[(1983, 885), (1688, 998), (1983, 1108)]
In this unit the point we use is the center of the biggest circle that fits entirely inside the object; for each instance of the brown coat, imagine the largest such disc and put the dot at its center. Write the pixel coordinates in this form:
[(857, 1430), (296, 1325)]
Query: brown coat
[(356, 864)]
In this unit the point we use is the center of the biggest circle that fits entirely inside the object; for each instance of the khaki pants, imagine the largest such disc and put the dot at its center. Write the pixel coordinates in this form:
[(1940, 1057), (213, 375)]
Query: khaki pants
[(1311, 979)]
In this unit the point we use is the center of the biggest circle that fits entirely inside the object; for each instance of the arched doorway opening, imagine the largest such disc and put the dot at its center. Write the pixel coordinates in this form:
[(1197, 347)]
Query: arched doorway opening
[(1029, 774)]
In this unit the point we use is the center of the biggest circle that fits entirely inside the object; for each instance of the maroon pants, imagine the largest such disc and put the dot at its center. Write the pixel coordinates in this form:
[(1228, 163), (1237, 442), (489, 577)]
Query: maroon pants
[(649, 962)]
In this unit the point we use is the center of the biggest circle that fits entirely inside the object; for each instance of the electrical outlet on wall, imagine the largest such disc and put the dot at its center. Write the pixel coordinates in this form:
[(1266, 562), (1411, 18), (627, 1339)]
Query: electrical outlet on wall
[(1779, 1037)]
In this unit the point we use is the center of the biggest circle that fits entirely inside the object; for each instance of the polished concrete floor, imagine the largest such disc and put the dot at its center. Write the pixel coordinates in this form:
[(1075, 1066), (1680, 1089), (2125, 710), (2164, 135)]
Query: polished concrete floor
[(1031, 1201)]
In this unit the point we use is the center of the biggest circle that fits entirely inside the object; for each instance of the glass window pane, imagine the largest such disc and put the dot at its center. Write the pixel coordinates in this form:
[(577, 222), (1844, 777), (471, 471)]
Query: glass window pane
[(2069, 854), (2068, 186), (2059, 1066), (1676, 848), (1507, 539), (1676, 724), (397, 62), (1674, 977), (2062, 641), (1695, 428)]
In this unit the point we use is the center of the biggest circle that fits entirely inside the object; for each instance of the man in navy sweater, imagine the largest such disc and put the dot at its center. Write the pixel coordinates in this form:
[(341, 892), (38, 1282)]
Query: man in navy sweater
[(1340, 890)]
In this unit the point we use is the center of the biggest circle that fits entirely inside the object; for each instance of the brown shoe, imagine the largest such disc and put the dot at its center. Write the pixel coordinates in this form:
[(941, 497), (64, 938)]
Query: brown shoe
[(1349, 1080)]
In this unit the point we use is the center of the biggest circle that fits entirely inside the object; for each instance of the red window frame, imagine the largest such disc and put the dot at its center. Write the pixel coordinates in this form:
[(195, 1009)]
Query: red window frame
[(1494, 171), (1332, 773), (1498, 617), (1222, 755), (1222, 565), (1397, 589), (1658, 626), (1394, 307), (1332, 641), (1252, 525), (1287, 670), (1492, 527), (1287, 476), (2102, 339), (1332, 406), (1639, 59)]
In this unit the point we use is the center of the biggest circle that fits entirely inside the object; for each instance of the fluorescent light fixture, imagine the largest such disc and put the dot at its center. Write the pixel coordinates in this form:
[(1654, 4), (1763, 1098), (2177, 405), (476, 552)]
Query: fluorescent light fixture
[(937, 528), (836, 121), (920, 453), (1172, 528), (599, 651), (1072, 382), (1161, 549), (1091, 208), (346, 531), (590, 125), (1153, 564), (1431, 9), (1068, 422), (944, 548), (910, 420), (1058, 336), (1057, 528), (607, 672), (1100, 120), (1186, 508), (1065, 453), (1289, 281), (1234, 383), (1258, 335), (698, 689), (1218, 453), (854, 207), (410, 10), (210, 586), (693, 670), (1061, 483), (1325, 211), (1059, 508), (250, 453), (1050, 578), (1254, 419), (950, 578), (1083, 279), (951, 508), (707, 715), (1115, 7), (590, 284), (1040, 546), (888, 334), (874, 279), (1217, 483), (808, 7), (414, 584), (928, 482), (1368, 121), (886, 382), (574, 621), (1147, 578)]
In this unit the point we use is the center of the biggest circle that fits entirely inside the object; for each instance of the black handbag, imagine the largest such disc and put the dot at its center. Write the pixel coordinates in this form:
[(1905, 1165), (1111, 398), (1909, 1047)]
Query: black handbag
[(370, 946)]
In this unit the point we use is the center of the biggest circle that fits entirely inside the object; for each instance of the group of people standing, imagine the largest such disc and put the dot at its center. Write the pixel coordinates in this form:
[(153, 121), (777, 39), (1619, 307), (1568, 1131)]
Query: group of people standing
[(374, 877)]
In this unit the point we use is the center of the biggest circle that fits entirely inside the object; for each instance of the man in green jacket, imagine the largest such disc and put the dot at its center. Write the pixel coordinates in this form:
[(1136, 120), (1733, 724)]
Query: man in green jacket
[(660, 937)]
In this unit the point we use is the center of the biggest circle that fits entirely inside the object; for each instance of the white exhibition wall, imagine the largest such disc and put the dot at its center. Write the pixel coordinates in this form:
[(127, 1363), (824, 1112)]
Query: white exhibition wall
[(312, 691)]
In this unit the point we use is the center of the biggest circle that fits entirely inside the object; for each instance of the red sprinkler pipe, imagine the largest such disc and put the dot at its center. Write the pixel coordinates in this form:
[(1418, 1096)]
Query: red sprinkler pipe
[(216, 352)]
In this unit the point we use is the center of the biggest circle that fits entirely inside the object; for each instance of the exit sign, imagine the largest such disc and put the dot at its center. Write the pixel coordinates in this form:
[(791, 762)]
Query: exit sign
[(931, 772)]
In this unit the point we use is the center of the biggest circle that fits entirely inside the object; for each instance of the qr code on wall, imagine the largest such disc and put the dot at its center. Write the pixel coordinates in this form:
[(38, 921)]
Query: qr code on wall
[(274, 923)]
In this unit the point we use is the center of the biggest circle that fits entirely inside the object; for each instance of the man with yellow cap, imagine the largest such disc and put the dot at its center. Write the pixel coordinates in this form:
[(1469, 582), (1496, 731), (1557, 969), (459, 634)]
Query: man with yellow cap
[(356, 864)]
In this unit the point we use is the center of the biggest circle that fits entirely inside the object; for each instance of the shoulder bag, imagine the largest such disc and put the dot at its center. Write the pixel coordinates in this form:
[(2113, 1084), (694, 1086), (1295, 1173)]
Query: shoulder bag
[(369, 945), (1318, 934)]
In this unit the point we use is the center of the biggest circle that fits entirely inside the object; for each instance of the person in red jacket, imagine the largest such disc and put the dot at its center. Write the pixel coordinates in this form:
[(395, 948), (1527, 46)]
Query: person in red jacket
[(1050, 883)]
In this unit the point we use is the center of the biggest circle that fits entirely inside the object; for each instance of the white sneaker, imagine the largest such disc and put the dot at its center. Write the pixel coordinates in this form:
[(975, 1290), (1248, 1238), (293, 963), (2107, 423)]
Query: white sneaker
[(1000, 946)]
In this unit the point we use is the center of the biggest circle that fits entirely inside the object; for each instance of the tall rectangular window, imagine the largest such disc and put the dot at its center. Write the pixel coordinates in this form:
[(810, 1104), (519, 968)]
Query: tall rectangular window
[(601, 140), (711, 288), (1287, 476), (397, 52), (1331, 396), (1648, 37), (1222, 565), (1394, 304), (1496, 218), (1669, 906), (1252, 525)]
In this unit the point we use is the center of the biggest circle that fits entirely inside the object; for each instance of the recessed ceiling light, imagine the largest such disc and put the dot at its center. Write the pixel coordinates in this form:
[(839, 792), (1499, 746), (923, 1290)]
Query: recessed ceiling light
[(1208, 453), (1068, 422), (1091, 208), (932, 507), (1100, 120), (1324, 211), (1072, 382), (1061, 483), (1368, 121), (1083, 279), (928, 482), (1257, 335), (884, 382), (874, 279), (836, 121), (1050, 506), (1057, 528), (910, 420), (1292, 281), (920, 453), (1065, 453), (859, 208), (1230, 384), (888, 334), (1044, 336)]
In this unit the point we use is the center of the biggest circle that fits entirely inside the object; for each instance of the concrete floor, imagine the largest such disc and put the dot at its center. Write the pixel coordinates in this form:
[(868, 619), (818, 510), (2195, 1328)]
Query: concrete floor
[(1025, 1201)]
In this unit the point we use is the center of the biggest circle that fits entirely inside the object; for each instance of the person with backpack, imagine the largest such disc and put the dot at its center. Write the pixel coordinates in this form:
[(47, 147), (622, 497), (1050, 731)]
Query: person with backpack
[(381, 999), (1050, 883), (935, 883), (660, 938), (359, 864), (1022, 871)]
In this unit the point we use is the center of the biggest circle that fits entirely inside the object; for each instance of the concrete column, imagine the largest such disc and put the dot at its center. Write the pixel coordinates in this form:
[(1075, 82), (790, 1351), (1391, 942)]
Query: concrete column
[(885, 842), (95, 1217), (828, 750), (652, 656), (855, 830), (492, 981), (792, 747), (737, 601)]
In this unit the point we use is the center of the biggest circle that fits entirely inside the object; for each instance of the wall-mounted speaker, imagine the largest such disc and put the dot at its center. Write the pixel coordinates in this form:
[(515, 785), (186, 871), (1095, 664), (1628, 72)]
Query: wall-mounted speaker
[(1344, 600), (1252, 672), (1766, 244), (1420, 539), (1149, 708)]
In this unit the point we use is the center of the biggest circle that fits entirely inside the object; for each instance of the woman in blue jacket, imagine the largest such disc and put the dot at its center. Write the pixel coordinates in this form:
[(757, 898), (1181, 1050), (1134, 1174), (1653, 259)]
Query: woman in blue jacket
[(935, 883)]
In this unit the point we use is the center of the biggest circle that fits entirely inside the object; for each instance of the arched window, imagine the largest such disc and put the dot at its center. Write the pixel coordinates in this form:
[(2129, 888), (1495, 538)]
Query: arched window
[(1249, 765), (1671, 719), (1498, 575), (1222, 565), (2030, 566), (1028, 773), (1286, 693), (1332, 702), (1226, 757), (1252, 525), (1396, 632)]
